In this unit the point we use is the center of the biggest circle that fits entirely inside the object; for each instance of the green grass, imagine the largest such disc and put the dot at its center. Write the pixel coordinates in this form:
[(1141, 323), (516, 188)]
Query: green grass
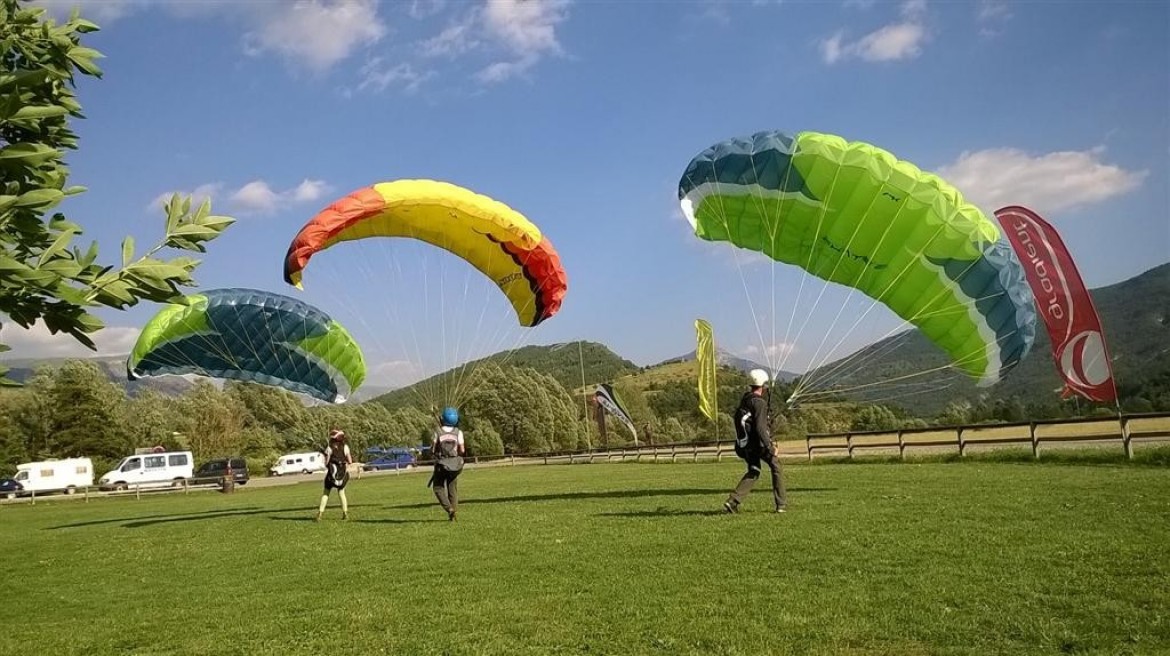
[(934, 558)]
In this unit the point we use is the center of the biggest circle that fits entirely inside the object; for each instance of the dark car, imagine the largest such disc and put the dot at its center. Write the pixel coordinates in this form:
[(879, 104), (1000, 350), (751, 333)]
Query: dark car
[(213, 471), (10, 487), (380, 458)]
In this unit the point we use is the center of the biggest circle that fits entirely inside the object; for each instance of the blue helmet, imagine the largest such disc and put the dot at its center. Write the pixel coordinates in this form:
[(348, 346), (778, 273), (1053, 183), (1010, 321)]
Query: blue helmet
[(450, 417)]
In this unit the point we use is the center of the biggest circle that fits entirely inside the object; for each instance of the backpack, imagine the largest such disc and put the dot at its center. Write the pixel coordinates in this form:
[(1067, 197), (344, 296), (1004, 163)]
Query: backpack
[(447, 456), (742, 418)]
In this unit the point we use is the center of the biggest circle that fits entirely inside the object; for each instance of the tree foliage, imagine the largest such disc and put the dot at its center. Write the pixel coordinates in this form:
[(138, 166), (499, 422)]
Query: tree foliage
[(43, 276)]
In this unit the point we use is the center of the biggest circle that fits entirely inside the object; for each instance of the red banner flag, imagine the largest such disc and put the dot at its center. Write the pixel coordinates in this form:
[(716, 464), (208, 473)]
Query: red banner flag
[(1078, 343)]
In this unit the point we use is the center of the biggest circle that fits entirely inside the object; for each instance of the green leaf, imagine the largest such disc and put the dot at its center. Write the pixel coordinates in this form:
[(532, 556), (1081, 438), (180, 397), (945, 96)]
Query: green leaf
[(74, 190), (192, 231), (38, 111), (84, 26), (83, 58), (40, 198), (127, 250), (33, 152), (115, 294), (8, 263), (57, 247), (157, 270)]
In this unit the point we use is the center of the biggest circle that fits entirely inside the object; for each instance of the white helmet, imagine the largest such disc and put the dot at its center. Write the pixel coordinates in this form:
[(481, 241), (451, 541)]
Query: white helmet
[(759, 377)]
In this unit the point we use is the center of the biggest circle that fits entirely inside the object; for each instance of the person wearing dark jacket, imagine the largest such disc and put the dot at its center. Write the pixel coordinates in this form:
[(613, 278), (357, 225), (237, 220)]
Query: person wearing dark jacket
[(753, 443)]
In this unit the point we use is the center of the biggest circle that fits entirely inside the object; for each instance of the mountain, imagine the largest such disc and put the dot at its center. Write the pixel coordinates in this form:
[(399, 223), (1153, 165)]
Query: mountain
[(1135, 315), (569, 363), (729, 359), (114, 367)]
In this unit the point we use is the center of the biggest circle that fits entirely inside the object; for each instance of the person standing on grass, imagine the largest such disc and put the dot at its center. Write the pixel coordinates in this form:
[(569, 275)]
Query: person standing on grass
[(448, 448), (337, 462), (753, 443)]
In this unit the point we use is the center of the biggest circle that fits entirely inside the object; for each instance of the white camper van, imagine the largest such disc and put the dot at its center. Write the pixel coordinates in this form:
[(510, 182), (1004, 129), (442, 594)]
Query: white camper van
[(150, 470), (66, 475), (298, 463)]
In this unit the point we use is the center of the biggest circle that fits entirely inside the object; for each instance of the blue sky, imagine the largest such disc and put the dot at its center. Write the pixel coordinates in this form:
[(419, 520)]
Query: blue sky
[(583, 116)]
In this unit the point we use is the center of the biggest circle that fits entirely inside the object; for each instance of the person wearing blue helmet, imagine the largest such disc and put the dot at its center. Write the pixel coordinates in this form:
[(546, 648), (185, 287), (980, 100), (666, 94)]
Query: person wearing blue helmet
[(448, 448)]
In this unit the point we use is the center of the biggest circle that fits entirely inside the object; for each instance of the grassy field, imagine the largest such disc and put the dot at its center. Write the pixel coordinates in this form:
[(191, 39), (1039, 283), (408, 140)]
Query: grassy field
[(926, 558)]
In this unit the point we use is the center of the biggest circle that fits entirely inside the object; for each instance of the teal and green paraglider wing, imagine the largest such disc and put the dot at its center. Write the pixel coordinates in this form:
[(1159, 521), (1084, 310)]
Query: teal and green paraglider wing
[(255, 336), (852, 213)]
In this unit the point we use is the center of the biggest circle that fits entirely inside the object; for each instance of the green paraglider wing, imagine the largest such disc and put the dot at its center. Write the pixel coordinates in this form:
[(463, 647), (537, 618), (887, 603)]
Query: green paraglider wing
[(254, 336), (852, 213)]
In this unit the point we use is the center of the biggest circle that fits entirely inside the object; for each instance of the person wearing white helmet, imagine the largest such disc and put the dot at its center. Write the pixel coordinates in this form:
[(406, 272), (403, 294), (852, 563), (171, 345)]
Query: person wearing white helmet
[(753, 443)]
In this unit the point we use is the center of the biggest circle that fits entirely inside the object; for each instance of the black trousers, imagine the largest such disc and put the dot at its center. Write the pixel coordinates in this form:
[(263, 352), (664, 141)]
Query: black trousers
[(445, 489), (754, 459)]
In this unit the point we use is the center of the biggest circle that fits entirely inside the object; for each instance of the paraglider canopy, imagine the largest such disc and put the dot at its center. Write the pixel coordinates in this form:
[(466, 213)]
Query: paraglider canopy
[(851, 213), (254, 336)]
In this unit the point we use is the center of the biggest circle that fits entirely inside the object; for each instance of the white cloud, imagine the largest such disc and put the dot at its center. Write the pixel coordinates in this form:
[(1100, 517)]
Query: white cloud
[(102, 12), (1051, 182), (504, 70), (37, 342), (420, 9), (771, 352), (377, 76), (256, 197), (900, 40), (393, 373), (991, 15), (317, 33), (199, 194), (527, 28), (310, 190), (992, 10), (455, 39)]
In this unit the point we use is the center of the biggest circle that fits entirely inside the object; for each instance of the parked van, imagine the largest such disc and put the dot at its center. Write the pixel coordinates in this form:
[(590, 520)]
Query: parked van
[(66, 475), (298, 463), (150, 470)]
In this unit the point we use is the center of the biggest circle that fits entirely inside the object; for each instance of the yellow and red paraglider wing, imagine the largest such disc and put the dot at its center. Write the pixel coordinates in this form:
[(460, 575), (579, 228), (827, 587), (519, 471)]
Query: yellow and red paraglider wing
[(492, 237)]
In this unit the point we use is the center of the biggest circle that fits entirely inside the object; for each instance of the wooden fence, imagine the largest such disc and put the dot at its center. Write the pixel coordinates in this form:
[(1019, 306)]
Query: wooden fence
[(1124, 430)]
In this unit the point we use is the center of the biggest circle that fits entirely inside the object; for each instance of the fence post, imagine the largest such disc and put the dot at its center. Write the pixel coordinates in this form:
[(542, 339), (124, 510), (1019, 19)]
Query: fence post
[(849, 444), (696, 458), (808, 445), (962, 443), (1126, 442), (138, 491), (901, 446), (87, 494), (1035, 440), (673, 453)]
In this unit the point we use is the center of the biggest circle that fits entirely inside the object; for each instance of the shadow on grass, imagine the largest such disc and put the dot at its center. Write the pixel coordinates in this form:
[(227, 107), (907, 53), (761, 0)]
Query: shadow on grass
[(633, 493), (151, 520), (662, 512), (400, 521), (309, 518)]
